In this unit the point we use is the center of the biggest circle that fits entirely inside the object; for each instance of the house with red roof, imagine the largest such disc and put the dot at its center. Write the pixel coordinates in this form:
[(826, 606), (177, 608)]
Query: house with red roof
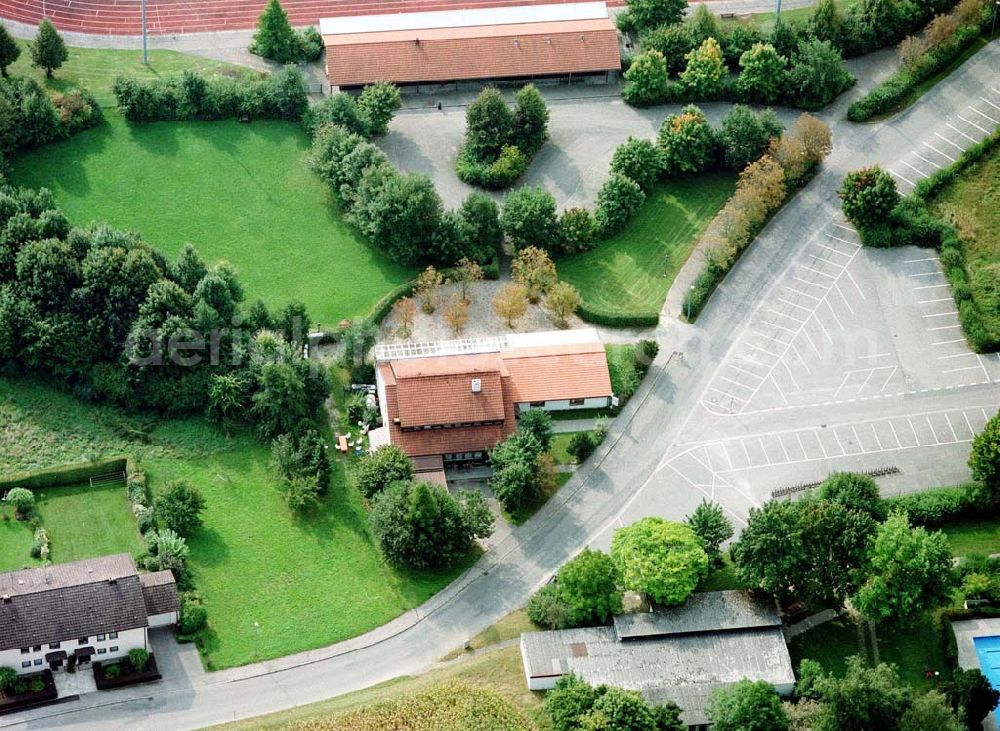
[(454, 400)]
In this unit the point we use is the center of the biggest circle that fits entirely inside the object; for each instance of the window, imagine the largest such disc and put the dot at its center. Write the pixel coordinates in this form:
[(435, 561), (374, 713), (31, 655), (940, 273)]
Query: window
[(112, 635), (114, 648), (37, 648), (101, 650), (38, 661), (26, 663), (537, 404), (24, 650), (576, 402), (82, 641), (54, 645), (100, 638)]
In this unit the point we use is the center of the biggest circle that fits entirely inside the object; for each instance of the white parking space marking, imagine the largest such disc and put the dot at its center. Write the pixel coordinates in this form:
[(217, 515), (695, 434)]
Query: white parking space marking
[(945, 139), (984, 114), (972, 123), (927, 144), (970, 139)]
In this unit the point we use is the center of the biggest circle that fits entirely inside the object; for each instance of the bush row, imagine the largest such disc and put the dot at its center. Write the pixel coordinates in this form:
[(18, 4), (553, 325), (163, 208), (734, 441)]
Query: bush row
[(65, 475), (762, 190), (609, 318), (30, 117), (281, 95), (942, 505), (892, 92)]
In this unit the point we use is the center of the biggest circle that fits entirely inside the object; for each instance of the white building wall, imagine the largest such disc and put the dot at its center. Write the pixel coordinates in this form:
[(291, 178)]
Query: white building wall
[(597, 402), (114, 648), (163, 620)]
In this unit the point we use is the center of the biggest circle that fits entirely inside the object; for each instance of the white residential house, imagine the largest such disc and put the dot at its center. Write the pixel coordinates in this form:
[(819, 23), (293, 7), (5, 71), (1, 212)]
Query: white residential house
[(96, 609)]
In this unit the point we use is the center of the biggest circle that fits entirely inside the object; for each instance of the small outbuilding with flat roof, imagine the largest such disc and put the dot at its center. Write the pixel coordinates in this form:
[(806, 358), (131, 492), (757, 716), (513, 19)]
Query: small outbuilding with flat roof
[(514, 43)]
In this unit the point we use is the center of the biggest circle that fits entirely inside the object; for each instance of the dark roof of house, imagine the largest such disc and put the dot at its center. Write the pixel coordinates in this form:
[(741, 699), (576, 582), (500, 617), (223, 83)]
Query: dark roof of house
[(159, 591), (710, 611), (79, 599)]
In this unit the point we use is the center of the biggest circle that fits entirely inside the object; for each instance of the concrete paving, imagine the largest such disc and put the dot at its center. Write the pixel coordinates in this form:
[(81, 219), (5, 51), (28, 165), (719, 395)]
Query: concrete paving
[(690, 433)]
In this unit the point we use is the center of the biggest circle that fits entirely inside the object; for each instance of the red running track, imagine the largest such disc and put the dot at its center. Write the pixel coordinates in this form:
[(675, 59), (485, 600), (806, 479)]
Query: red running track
[(123, 17)]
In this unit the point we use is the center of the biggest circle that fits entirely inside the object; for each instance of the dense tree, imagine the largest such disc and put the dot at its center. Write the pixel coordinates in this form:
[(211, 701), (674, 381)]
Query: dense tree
[(422, 525), (533, 268), (646, 79), (705, 73), (585, 592), (868, 196), (537, 422), (826, 21), (378, 102), (9, 50), (747, 706), (910, 571), (785, 37), (854, 491), (489, 124), (301, 492), (672, 41), (340, 109), (570, 699), (663, 560), (769, 553), (179, 508), (617, 708), (562, 301), (984, 459), (481, 216), (763, 74), (510, 303), (618, 200), (304, 455), (638, 159), (865, 698), (745, 135), (514, 481), (49, 50), (929, 712), (686, 141), (403, 216), (710, 524), (379, 469), (970, 694), (703, 24), (646, 14), (8, 677), (529, 218), (531, 119), (188, 269), (23, 501), (280, 405), (275, 38), (834, 541), (818, 74)]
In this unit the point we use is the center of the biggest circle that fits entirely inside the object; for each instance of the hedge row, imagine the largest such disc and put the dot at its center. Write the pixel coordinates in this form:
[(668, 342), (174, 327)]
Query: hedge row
[(65, 475), (942, 505), (609, 318), (891, 93)]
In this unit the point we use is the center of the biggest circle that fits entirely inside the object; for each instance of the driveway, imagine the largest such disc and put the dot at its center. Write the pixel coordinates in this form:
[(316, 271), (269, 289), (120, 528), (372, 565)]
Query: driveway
[(691, 431)]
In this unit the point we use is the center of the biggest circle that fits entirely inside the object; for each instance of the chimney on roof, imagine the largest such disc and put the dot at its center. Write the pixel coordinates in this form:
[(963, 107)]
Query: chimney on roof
[(477, 385), (6, 598), (112, 581), (417, 41)]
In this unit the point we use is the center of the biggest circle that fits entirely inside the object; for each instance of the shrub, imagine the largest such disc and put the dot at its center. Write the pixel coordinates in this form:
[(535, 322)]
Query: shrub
[(529, 218), (818, 75), (546, 608), (30, 118), (381, 468), (179, 508), (686, 141), (577, 230), (745, 135), (646, 80), (77, 110), (673, 42), (275, 38), (489, 124), (40, 547), (301, 492), (8, 676), (582, 445), (537, 422), (618, 200), (23, 501), (868, 196), (530, 122), (193, 617), (645, 14), (112, 671), (638, 159), (310, 44), (138, 658)]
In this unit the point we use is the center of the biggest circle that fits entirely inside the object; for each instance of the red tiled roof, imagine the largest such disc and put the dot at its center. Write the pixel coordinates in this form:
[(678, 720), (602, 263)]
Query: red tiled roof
[(557, 372), (439, 390), (479, 52)]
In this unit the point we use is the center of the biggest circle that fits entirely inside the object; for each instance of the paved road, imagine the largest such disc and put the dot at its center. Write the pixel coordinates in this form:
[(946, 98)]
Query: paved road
[(750, 407)]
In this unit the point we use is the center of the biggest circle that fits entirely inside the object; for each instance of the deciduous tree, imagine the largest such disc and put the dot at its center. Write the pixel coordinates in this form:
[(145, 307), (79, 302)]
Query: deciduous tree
[(562, 302), (710, 524), (618, 200), (533, 268), (510, 303), (379, 102), (638, 159), (466, 273), (745, 135), (404, 311), (456, 314), (179, 508), (818, 74), (763, 74), (971, 694), (705, 73), (686, 141), (428, 289), (529, 219), (488, 124), (530, 121), (662, 559), (747, 706), (379, 469), (984, 459), (646, 80)]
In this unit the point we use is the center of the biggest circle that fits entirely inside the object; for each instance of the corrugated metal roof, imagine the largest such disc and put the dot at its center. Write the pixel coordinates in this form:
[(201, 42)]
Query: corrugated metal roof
[(464, 18), (710, 611)]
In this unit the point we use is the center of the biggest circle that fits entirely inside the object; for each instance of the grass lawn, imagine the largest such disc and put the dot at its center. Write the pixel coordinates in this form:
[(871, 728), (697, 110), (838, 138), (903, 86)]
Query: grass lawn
[(97, 68), (631, 272), (722, 578), (240, 192), (308, 582), (86, 522), (509, 627), (764, 22), (973, 202), (830, 644), (499, 670), (15, 542), (560, 442), (973, 536)]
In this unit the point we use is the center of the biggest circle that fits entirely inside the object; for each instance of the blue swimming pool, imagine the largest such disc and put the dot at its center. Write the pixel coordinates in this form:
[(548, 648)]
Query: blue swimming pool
[(988, 650)]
